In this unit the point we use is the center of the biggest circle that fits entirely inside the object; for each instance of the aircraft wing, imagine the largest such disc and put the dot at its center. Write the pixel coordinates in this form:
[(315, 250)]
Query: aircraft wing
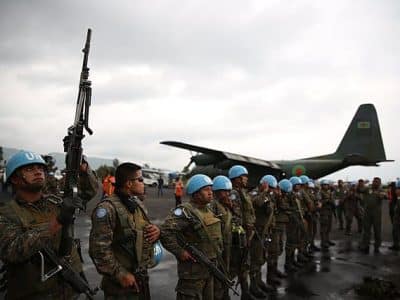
[(224, 155)]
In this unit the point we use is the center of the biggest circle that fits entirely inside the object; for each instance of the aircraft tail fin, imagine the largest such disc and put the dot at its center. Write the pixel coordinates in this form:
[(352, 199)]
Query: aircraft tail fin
[(363, 139)]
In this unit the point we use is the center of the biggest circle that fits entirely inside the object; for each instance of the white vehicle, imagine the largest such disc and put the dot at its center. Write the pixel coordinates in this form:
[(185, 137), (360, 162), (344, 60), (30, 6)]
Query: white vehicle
[(149, 179)]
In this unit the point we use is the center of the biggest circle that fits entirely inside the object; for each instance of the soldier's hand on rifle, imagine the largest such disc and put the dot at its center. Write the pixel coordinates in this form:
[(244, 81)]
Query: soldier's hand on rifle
[(67, 210), (129, 280), (186, 256)]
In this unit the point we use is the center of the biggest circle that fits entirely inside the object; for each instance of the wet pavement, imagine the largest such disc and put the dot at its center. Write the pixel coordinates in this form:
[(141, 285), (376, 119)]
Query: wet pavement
[(331, 275)]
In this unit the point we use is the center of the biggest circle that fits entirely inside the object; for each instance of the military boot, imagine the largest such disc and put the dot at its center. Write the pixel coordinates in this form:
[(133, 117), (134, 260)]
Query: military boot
[(255, 290)]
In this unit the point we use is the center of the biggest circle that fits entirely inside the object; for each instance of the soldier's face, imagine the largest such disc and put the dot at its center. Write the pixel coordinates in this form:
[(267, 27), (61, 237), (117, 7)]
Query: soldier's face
[(244, 180), (136, 184), (398, 192), (31, 178), (376, 183), (205, 195), (222, 195)]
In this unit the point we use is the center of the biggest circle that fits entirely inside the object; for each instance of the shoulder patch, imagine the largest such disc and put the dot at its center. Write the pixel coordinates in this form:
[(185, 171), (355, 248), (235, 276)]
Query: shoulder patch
[(178, 211), (101, 212)]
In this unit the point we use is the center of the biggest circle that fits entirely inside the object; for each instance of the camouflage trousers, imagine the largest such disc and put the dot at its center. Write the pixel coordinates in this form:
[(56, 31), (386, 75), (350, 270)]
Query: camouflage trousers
[(292, 239), (195, 289), (349, 221), (239, 266), (257, 255), (325, 221), (275, 249), (372, 218)]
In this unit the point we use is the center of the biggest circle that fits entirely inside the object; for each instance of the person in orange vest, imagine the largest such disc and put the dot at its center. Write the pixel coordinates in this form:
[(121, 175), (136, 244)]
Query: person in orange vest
[(178, 191), (108, 185)]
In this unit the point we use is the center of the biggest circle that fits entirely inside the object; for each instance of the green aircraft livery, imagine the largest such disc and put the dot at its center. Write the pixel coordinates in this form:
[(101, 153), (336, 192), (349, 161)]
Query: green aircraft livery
[(362, 145)]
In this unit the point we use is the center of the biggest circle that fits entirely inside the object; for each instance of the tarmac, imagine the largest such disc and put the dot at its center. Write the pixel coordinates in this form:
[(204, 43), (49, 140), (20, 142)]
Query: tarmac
[(331, 275)]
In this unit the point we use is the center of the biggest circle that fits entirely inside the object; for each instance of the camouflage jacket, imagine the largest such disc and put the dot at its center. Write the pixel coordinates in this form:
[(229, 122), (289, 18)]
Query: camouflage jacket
[(199, 227), (264, 209), (117, 245), (24, 230), (327, 202), (243, 211)]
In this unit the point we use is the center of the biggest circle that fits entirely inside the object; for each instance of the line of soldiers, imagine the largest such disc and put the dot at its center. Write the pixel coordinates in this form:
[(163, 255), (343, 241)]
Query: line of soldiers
[(223, 233), (240, 231)]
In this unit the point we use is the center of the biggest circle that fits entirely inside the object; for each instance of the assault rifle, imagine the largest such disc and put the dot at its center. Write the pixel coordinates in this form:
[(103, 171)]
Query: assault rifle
[(76, 280), (203, 259), (73, 145)]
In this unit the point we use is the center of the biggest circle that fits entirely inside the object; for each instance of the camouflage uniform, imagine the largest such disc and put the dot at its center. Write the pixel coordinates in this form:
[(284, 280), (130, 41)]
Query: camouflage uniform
[(242, 233), (117, 245), (373, 217), (312, 216), (264, 209), (282, 221), (23, 232), (339, 194), (295, 230), (202, 229), (326, 215), (88, 184), (224, 213), (308, 207), (352, 209), (274, 244)]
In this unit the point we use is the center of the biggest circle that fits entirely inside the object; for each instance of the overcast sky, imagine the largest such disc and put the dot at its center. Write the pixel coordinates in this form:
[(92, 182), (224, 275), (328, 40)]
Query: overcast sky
[(268, 79)]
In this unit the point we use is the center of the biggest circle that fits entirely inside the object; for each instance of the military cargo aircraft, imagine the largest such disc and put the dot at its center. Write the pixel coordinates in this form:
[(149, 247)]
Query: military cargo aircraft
[(361, 146)]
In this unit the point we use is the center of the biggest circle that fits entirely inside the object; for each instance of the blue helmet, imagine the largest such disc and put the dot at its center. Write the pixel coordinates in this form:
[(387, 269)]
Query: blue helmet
[(237, 171), (271, 180), (295, 180), (325, 182), (311, 184), (398, 184), (197, 182), (285, 185), (20, 159), (304, 179), (221, 183), (158, 254)]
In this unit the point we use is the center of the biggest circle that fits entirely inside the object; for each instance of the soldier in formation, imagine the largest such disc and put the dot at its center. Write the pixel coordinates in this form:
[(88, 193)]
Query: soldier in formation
[(31, 223), (122, 238), (194, 223), (352, 205), (372, 198)]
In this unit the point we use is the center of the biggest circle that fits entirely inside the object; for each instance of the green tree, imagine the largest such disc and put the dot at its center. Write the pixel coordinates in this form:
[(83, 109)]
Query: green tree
[(104, 170)]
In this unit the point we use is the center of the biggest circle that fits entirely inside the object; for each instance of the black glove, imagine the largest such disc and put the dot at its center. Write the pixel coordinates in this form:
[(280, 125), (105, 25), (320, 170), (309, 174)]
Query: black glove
[(67, 210)]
